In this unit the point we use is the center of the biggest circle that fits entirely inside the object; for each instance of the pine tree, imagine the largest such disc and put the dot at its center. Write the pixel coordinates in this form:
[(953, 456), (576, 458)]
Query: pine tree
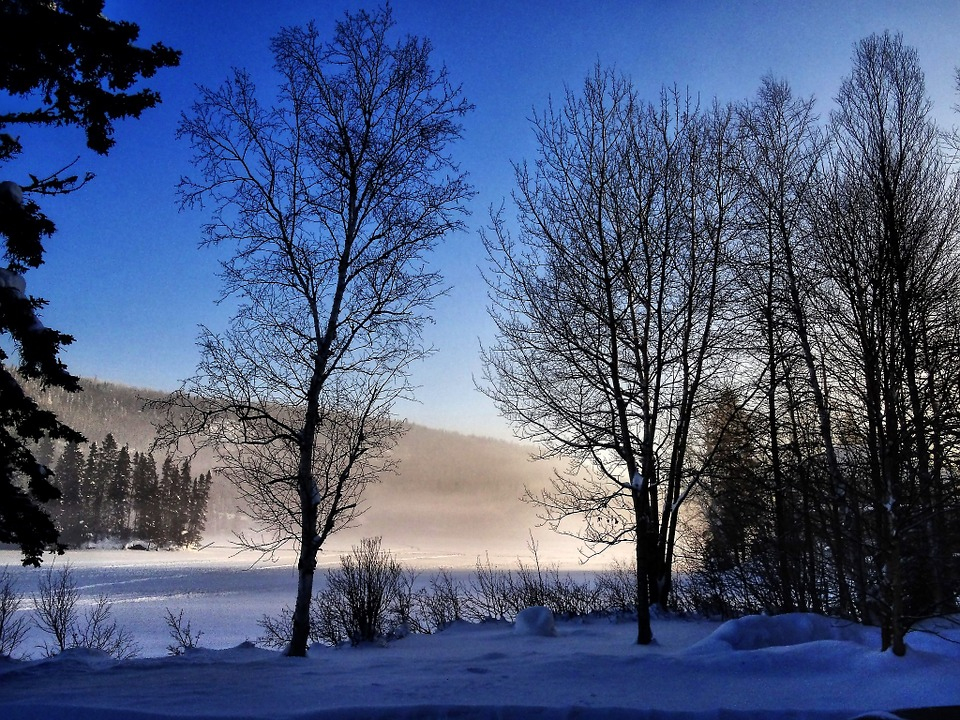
[(140, 494), (69, 474), (91, 495), (180, 503), (101, 518), (45, 453), (169, 511), (151, 520), (118, 495), (197, 510)]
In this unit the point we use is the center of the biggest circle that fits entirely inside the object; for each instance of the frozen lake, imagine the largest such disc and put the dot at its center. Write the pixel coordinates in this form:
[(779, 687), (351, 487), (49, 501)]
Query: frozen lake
[(220, 593)]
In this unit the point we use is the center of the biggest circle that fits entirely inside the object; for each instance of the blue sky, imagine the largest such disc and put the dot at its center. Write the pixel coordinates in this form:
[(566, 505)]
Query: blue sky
[(124, 273)]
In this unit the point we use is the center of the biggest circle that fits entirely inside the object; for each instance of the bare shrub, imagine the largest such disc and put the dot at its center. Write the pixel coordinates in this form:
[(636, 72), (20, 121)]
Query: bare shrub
[(57, 615), (443, 602), (362, 596), (617, 587), (181, 634), (97, 630), (372, 597), (500, 594), (13, 623), (277, 629), (368, 598), (56, 608), (491, 593)]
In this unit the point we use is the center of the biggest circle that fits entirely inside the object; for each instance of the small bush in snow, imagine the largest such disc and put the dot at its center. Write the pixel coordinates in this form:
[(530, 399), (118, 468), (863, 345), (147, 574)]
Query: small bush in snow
[(372, 597), (97, 630), (56, 608), (617, 587), (440, 604), (492, 593), (277, 628), (57, 615), (13, 623), (181, 634), (364, 597), (500, 594)]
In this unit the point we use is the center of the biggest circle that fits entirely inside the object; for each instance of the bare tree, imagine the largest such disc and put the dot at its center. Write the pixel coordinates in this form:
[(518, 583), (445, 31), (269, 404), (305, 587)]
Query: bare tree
[(608, 307), (781, 149), (889, 236), (331, 198)]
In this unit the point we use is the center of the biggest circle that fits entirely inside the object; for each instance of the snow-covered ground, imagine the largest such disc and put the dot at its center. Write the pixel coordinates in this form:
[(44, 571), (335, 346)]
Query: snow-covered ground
[(795, 666)]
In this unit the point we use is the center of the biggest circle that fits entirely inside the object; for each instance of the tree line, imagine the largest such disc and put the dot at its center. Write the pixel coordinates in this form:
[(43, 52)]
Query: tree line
[(109, 493), (739, 323)]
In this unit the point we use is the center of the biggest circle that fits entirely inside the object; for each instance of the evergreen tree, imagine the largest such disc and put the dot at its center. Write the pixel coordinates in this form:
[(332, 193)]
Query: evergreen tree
[(91, 494), (180, 504), (138, 496), (146, 487), (45, 453), (66, 64), (118, 495), (736, 506), (197, 508), (168, 524), (69, 473), (100, 519)]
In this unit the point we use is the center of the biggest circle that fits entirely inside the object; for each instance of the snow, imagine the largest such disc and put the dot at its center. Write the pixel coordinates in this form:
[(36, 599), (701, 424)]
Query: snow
[(11, 192), (10, 279), (537, 620), (791, 666)]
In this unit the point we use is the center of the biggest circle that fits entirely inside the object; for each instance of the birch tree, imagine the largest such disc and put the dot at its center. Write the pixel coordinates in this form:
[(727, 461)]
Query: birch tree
[(329, 200)]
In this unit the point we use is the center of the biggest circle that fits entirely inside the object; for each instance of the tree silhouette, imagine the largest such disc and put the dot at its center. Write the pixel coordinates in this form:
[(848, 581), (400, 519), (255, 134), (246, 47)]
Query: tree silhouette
[(332, 199)]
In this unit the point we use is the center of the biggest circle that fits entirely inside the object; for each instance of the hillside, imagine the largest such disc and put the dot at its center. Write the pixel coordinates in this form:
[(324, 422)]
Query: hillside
[(455, 496)]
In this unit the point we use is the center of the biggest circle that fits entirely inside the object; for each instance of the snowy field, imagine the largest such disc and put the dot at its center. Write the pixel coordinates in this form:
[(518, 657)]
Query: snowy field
[(796, 666)]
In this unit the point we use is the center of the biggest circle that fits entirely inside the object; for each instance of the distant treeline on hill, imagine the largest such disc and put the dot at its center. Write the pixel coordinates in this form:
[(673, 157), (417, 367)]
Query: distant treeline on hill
[(477, 481), (109, 493)]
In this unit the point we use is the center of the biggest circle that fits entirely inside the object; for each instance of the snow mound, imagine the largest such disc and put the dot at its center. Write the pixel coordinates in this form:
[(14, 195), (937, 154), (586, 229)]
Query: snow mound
[(85, 657), (245, 652), (756, 632), (536, 620), (937, 635)]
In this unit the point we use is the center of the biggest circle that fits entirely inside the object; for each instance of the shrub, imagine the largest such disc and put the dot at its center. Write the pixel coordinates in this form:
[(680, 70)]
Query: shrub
[(13, 623), (617, 587), (57, 615), (441, 603), (363, 598), (492, 593), (366, 599), (182, 635)]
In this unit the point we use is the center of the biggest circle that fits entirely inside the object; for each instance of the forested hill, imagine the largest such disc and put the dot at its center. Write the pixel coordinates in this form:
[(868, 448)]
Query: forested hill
[(454, 495), (103, 408)]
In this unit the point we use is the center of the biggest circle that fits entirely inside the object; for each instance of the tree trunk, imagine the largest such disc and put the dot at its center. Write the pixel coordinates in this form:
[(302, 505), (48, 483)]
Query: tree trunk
[(300, 637), (306, 568), (644, 631)]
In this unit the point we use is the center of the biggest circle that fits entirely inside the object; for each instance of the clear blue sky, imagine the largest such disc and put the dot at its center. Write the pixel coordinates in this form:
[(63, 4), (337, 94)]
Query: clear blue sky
[(124, 273)]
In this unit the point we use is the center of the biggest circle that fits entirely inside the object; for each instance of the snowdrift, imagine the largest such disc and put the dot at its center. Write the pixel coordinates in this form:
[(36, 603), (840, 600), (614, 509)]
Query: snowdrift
[(791, 666)]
